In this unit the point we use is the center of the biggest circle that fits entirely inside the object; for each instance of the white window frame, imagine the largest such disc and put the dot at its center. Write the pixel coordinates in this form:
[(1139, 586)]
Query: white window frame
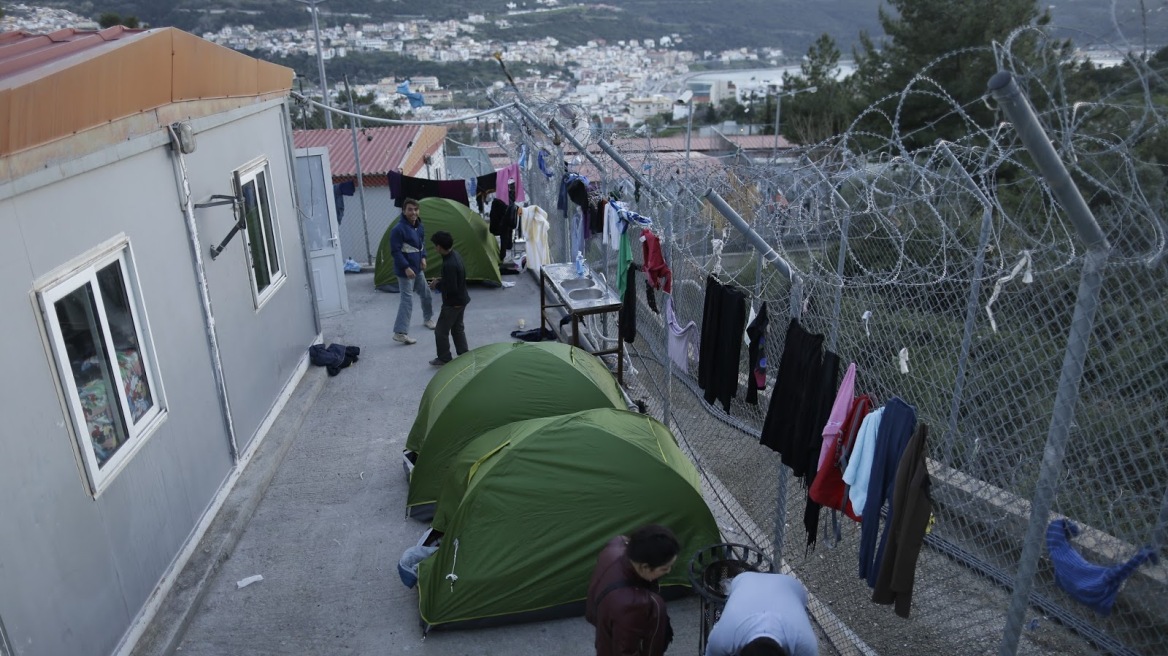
[(138, 432), (271, 245)]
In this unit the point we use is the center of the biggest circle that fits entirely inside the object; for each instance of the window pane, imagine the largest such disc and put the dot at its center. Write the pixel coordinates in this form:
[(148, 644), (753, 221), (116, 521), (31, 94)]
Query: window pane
[(92, 375), (255, 235), (269, 229), (125, 337)]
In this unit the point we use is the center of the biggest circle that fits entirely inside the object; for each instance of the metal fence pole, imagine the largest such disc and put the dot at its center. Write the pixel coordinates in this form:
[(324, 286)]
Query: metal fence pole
[(766, 252), (665, 406), (841, 258), (970, 304), (360, 177), (1021, 114)]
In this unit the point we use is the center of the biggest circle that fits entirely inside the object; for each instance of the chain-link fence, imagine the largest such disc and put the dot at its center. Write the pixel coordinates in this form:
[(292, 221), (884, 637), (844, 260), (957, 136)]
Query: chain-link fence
[(955, 278), (958, 277)]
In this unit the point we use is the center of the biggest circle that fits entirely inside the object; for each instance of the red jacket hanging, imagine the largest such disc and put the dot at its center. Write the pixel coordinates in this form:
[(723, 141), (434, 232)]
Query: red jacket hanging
[(655, 266), (829, 489)]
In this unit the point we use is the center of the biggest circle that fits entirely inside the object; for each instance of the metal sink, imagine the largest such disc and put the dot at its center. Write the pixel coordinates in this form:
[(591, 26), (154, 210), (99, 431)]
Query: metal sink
[(577, 283), (585, 294)]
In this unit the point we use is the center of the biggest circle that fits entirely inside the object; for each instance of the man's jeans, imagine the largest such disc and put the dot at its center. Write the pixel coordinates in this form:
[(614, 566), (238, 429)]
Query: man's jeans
[(405, 308), (450, 325)]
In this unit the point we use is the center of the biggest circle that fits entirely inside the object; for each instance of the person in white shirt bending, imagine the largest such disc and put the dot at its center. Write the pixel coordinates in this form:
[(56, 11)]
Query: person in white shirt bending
[(765, 615)]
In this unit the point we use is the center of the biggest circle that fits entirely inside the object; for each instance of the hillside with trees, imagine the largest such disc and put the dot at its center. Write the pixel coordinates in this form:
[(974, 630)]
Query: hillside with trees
[(793, 25)]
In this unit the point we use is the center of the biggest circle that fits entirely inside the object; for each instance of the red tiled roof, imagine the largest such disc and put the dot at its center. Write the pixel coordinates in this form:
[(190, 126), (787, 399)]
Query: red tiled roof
[(758, 141), (382, 149)]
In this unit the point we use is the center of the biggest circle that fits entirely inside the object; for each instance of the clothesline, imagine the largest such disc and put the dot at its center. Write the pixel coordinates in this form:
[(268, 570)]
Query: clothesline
[(395, 121)]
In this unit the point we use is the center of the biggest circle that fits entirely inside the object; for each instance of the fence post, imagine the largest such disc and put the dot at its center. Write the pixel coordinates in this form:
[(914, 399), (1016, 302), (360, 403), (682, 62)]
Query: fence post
[(841, 258), (1018, 110), (970, 304), (665, 406), (791, 274), (360, 177)]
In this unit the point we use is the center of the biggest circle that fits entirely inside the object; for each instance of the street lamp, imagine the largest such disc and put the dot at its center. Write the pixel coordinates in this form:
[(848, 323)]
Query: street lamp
[(686, 98), (779, 109), (328, 115)]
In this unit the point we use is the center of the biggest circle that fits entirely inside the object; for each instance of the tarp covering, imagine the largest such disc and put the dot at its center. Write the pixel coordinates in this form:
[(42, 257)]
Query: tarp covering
[(494, 385), (472, 239), (527, 507)]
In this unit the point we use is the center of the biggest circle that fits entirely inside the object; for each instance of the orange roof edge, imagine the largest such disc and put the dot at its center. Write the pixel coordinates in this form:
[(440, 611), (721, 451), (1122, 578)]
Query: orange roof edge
[(55, 85)]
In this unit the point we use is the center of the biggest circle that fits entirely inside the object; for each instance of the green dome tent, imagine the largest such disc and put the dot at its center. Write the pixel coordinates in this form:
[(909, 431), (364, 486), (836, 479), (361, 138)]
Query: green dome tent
[(491, 386), (472, 240), (527, 507)]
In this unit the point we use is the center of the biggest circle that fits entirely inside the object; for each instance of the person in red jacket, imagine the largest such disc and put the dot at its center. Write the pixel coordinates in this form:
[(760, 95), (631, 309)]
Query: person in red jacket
[(623, 601)]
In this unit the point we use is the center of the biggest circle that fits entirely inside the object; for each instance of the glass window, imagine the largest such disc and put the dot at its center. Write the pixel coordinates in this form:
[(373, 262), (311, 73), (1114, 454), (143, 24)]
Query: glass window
[(261, 229), (106, 368)]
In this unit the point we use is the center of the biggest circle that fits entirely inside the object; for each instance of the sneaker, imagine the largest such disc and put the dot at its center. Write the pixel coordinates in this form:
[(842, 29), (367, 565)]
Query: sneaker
[(430, 324), (438, 362), (404, 338)]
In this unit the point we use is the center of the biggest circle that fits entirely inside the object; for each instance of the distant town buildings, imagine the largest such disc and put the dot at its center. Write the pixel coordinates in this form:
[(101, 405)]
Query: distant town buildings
[(621, 82)]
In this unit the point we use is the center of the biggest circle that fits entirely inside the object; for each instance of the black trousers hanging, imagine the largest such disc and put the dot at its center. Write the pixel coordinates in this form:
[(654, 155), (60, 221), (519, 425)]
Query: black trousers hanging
[(729, 351), (784, 429), (711, 313)]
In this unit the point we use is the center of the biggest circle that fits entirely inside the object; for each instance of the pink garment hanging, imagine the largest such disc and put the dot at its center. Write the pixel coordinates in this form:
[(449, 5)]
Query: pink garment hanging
[(839, 413), (505, 175)]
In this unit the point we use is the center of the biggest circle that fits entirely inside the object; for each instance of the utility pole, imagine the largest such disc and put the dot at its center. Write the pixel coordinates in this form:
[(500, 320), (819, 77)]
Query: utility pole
[(328, 115), (779, 109)]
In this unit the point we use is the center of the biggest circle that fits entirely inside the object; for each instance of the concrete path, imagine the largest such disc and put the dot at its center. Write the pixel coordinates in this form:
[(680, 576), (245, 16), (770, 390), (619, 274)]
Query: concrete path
[(328, 528)]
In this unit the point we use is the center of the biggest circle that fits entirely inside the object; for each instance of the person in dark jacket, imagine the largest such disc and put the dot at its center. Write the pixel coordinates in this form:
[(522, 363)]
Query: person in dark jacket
[(454, 299), (623, 600), (406, 243)]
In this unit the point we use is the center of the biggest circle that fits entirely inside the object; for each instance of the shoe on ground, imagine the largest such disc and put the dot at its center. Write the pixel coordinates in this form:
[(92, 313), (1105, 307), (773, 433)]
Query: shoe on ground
[(404, 338), (430, 324), (438, 362)]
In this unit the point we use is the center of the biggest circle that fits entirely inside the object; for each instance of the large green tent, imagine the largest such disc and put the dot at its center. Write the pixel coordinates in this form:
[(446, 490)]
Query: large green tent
[(473, 241), (494, 385), (528, 506)]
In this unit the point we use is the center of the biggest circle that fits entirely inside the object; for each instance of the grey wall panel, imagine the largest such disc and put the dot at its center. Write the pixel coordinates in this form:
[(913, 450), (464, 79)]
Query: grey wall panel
[(260, 348), (77, 569)]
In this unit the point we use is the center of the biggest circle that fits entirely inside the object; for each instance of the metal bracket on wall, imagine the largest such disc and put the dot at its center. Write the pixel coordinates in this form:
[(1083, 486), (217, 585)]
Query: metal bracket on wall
[(215, 201)]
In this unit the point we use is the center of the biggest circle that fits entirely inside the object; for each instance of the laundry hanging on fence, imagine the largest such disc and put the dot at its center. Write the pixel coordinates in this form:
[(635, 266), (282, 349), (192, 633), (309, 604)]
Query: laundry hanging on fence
[(800, 401), (829, 489), (508, 180), (756, 362), (660, 276), (340, 190), (1093, 585), (908, 520), (896, 428), (723, 322), (682, 340), (627, 317), (405, 186)]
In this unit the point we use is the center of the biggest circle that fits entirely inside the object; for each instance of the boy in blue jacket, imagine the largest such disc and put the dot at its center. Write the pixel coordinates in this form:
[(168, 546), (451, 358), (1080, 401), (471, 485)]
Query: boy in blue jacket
[(408, 247)]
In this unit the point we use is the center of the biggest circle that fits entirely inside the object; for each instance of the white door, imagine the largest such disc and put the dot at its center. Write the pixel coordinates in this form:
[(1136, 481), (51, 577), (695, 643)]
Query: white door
[(318, 212)]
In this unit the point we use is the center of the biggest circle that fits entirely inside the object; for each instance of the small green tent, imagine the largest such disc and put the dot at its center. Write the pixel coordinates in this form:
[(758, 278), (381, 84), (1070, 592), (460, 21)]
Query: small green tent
[(528, 506), (477, 246), (494, 385)]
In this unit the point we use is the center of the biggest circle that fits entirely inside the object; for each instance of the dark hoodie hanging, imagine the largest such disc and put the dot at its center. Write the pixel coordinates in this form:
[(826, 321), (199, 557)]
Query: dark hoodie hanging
[(756, 363), (628, 312)]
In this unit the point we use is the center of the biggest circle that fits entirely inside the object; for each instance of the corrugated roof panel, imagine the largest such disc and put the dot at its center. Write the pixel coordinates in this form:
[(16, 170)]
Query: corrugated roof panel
[(56, 85), (382, 149)]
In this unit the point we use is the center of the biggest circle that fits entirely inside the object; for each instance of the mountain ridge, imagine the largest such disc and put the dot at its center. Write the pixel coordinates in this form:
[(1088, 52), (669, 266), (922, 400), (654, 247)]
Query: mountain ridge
[(703, 25)]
